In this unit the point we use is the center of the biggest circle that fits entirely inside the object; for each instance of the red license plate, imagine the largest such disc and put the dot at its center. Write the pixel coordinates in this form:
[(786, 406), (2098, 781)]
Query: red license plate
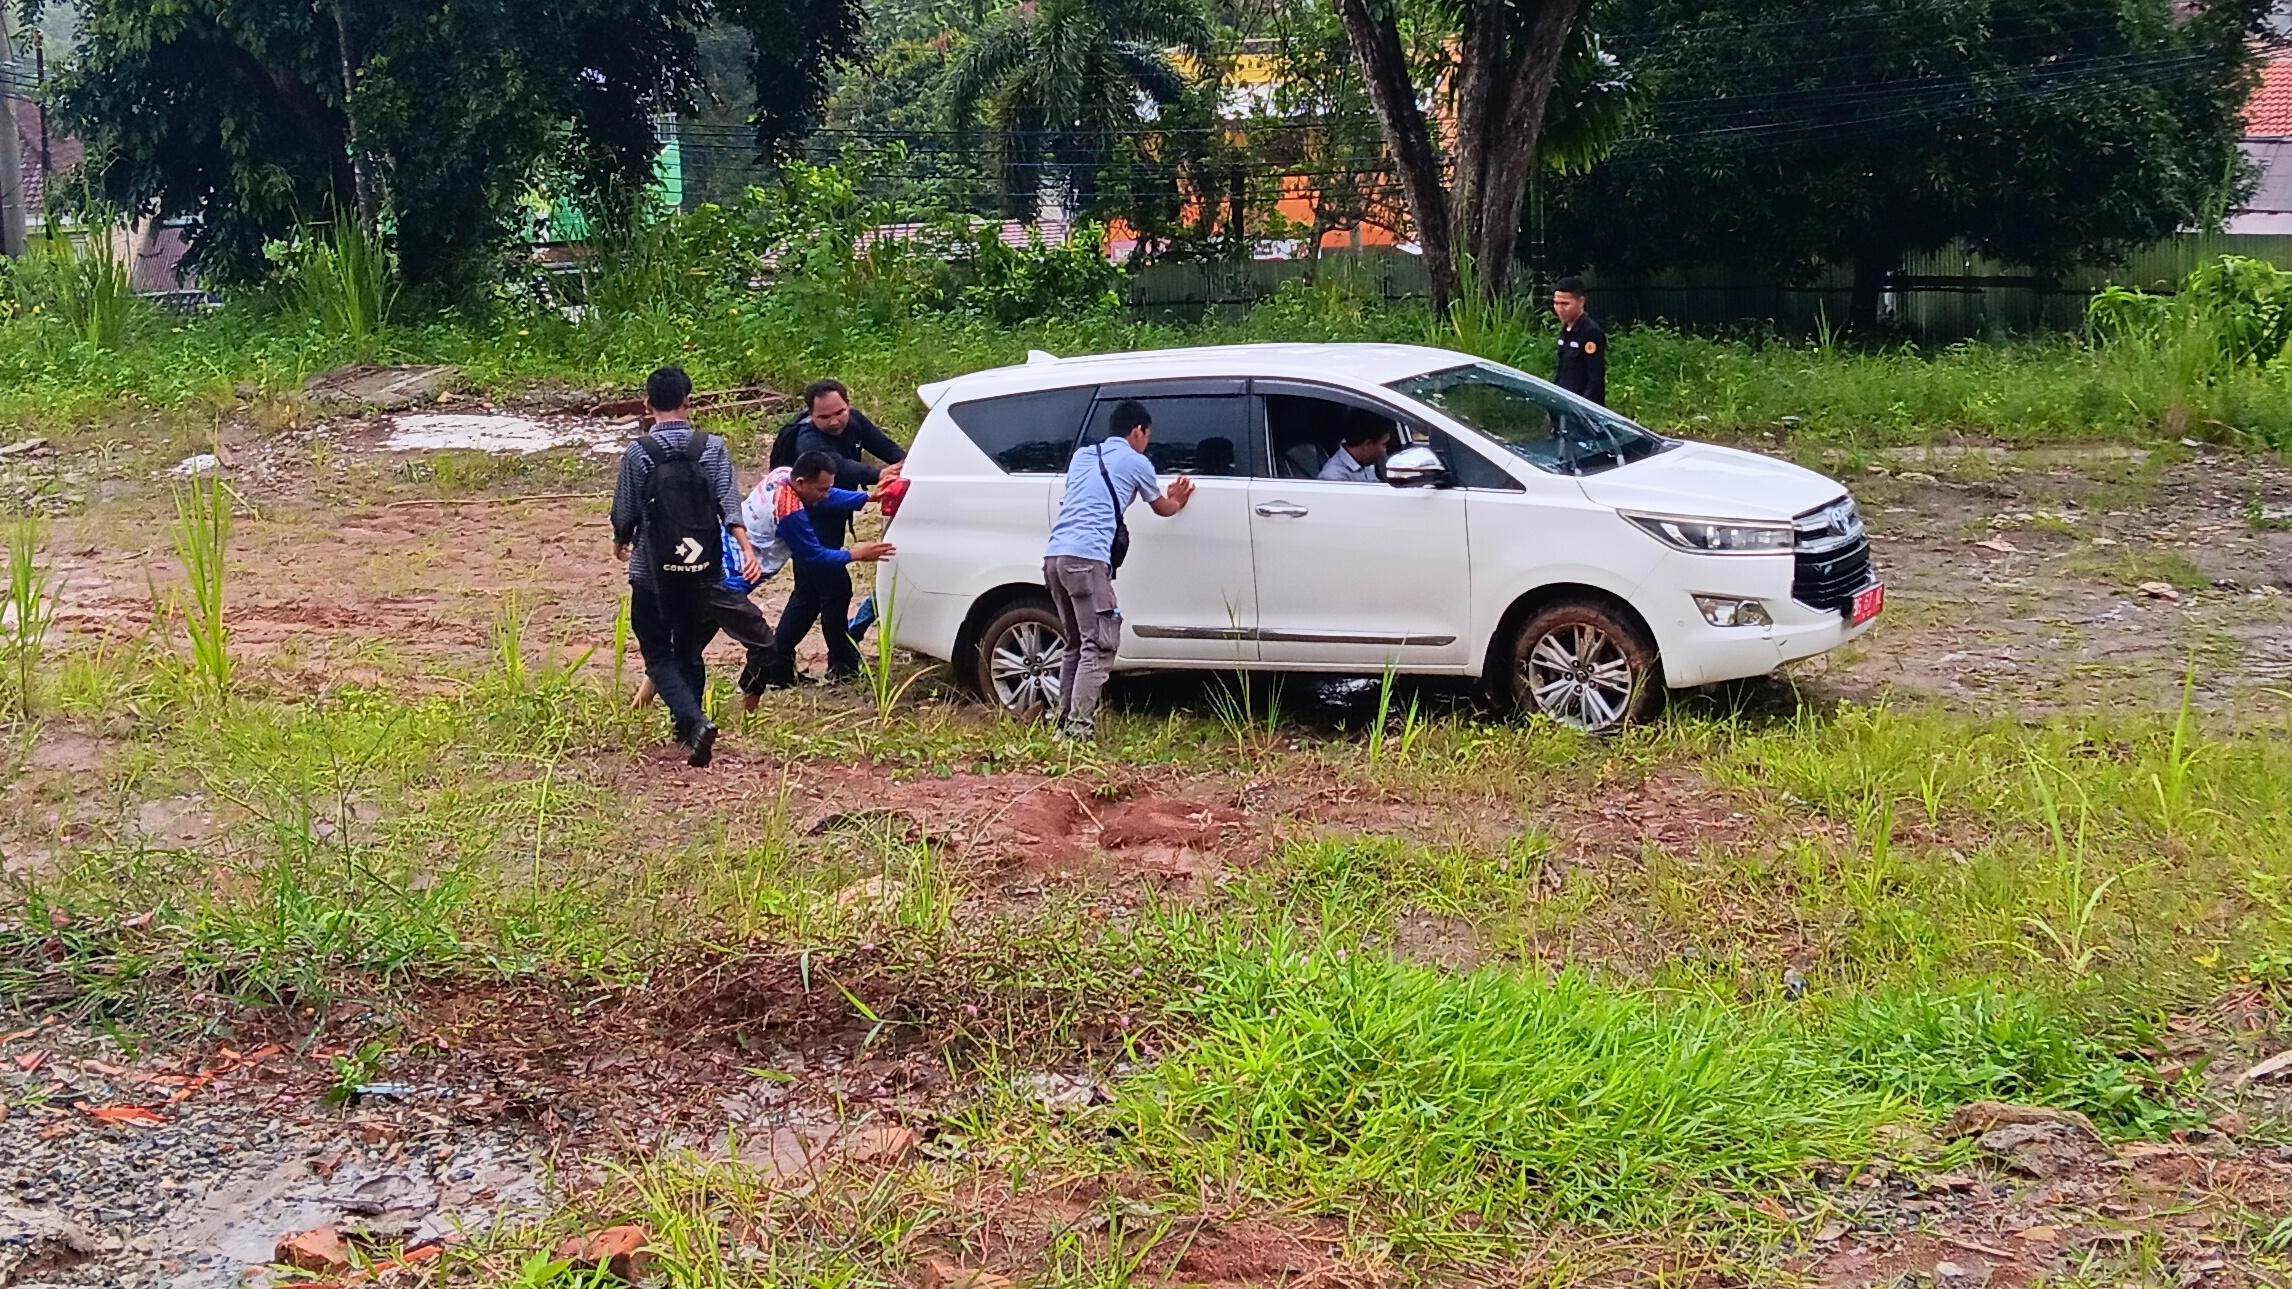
[(1868, 603)]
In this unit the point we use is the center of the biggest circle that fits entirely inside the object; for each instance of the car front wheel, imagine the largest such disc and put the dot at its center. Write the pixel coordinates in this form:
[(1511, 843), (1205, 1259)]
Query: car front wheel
[(1582, 664), (1020, 652)]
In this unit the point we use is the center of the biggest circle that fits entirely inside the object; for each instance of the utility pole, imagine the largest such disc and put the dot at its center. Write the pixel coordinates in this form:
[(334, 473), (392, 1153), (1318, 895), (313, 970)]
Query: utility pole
[(11, 147)]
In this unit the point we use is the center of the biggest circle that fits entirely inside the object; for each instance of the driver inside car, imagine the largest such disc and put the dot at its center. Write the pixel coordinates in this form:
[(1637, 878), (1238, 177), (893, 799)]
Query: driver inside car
[(1360, 456)]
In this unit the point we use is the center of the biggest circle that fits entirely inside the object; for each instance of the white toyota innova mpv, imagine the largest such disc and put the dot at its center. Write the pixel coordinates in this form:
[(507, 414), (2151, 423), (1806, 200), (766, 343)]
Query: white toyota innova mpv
[(1572, 561)]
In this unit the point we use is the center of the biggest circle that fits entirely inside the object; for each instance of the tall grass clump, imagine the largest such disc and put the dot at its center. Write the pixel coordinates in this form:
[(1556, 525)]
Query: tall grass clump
[(29, 610), (202, 536), (2210, 356), (1336, 1073), (1352, 1076), (87, 290), (341, 279)]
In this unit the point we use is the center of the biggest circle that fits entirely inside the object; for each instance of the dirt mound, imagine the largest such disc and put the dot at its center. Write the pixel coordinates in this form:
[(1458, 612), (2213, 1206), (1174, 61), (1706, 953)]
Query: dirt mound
[(1039, 824)]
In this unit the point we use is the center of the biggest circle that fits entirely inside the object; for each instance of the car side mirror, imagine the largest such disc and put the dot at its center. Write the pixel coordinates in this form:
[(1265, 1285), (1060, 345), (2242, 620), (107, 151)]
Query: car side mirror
[(1417, 467)]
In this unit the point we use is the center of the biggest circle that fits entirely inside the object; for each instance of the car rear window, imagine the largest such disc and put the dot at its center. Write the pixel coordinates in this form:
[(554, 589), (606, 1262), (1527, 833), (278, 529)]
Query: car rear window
[(1031, 433)]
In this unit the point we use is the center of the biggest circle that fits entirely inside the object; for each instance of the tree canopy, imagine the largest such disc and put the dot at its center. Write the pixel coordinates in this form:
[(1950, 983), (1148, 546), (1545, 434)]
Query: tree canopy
[(1062, 82), (1785, 135), (434, 119)]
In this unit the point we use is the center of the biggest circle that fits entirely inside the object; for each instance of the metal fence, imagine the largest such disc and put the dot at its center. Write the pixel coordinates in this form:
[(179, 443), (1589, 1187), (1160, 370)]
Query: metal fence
[(1935, 298)]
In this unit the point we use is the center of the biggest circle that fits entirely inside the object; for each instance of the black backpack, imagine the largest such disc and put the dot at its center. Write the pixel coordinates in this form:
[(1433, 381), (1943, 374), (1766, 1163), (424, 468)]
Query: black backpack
[(784, 445), (681, 520)]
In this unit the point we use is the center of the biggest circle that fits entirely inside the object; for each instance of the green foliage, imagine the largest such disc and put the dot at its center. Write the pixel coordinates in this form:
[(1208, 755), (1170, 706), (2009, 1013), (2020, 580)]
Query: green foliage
[(85, 289), (1338, 1074), (1060, 82), (202, 542), (1014, 284), (24, 616), (2036, 135), (342, 279), (2210, 354), (2235, 312), (432, 121)]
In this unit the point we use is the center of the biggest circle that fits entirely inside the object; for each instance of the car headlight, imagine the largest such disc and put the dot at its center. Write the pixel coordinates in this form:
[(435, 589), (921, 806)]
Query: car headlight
[(1716, 536)]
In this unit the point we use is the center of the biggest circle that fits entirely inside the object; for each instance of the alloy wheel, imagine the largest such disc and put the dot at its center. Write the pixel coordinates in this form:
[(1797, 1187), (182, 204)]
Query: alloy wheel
[(1580, 676), (1024, 666)]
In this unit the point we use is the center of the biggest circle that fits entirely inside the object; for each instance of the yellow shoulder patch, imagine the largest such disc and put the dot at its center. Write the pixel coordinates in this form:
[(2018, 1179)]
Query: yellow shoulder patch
[(1591, 346)]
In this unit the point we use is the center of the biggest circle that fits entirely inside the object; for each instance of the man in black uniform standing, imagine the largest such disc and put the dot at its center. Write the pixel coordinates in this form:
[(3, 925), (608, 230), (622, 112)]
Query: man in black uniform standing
[(1583, 344)]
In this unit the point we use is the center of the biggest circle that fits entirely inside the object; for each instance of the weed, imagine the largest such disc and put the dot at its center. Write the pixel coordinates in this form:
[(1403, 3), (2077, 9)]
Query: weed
[(884, 685), (202, 541), (88, 290), (28, 612), (354, 1070), (342, 280)]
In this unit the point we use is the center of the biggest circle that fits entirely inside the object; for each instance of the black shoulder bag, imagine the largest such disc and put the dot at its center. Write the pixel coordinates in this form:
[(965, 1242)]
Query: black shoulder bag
[(1120, 550)]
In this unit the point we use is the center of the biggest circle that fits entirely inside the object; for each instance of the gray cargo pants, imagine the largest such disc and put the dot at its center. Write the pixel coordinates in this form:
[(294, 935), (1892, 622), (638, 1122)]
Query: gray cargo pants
[(1083, 592)]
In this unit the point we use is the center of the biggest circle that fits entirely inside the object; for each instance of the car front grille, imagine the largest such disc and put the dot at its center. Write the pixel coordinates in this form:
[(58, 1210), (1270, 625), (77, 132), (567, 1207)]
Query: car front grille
[(1833, 552)]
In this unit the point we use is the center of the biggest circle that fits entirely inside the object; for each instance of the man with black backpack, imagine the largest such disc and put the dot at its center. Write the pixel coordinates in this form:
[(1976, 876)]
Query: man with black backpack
[(675, 499), (1087, 545)]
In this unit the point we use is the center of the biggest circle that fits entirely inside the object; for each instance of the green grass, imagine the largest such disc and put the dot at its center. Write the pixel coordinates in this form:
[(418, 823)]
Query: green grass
[(2038, 391), (1978, 907)]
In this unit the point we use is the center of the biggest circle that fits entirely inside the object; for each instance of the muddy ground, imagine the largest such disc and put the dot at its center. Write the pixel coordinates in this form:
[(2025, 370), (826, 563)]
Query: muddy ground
[(2020, 583)]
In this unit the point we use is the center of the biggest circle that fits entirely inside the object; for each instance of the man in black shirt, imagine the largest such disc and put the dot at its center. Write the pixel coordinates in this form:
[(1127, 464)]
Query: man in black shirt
[(830, 425), (1583, 343)]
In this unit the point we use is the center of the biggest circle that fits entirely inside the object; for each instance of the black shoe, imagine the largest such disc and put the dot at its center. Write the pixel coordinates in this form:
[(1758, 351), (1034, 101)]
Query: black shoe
[(703, 747)]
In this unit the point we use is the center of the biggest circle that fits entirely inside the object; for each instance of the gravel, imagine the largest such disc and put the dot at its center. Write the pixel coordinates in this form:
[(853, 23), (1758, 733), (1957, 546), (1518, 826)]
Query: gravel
[(199, 1200)]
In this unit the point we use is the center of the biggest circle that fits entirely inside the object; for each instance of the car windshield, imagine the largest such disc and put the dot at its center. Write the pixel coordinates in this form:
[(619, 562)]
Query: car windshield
[(1552, 430)]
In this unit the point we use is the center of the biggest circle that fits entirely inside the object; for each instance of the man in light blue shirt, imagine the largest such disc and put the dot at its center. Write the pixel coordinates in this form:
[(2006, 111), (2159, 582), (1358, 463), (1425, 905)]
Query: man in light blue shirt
[(1079, 563), (1361, 452)]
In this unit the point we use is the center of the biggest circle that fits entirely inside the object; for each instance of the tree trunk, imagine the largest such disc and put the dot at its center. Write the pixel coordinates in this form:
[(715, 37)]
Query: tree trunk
[(1237, 206), (1870, 270), (1504, 82), (361, 167), (1376, 45), (1511, 126)]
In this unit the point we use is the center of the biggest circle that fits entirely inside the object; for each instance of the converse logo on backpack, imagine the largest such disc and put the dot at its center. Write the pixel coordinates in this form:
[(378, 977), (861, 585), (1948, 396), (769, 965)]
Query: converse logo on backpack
[(689, 551)]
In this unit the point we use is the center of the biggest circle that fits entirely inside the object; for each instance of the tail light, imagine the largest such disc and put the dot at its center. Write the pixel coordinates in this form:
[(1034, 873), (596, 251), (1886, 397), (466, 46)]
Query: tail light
[(893, 493)]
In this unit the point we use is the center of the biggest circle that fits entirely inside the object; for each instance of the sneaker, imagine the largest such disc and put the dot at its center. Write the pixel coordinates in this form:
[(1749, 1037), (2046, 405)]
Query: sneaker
[(702, 747), (1078, 729)]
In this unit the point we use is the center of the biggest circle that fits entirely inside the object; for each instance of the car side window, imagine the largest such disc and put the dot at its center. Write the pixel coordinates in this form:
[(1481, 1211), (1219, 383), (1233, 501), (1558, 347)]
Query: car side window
[(1304, 433), (1467, 468), (1030, 433), (1204, 435)]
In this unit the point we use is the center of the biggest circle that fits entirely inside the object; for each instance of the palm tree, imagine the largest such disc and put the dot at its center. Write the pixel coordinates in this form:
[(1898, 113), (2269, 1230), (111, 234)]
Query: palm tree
[(1061, 81)]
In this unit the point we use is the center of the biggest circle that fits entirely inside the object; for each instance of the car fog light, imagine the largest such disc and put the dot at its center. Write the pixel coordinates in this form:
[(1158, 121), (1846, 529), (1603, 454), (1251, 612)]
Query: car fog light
[(1728, 611)]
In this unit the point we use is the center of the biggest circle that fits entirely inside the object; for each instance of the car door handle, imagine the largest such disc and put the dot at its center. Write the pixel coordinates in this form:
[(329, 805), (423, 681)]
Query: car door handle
[(1282, 510)]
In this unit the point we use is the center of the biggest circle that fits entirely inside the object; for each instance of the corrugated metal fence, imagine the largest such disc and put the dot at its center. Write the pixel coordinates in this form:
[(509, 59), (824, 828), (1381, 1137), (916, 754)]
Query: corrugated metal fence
[(1939, 297)]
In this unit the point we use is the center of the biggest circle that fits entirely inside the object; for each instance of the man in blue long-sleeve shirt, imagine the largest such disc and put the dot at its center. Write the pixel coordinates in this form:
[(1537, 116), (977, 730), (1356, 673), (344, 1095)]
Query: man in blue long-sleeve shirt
[(823, 572)]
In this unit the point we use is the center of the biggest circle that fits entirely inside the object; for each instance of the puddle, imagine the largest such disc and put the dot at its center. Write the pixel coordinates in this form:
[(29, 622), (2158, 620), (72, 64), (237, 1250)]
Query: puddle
[(499, 432)]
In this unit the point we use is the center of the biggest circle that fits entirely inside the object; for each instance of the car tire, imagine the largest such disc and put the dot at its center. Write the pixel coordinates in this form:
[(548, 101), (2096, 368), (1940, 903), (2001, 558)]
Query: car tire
[(1020, 650), (1581, 663)]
